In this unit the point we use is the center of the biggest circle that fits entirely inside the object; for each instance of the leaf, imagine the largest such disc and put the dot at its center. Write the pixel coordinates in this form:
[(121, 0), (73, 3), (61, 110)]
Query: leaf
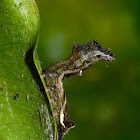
[(37, 63), (24, 112)]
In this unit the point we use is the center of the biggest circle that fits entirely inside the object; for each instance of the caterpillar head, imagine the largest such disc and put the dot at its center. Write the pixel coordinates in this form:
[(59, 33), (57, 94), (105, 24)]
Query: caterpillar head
[(90, 53)]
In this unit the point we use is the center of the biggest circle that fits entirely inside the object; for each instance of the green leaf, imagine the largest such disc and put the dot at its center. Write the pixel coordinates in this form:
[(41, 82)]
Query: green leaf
[(37, 63), (24, 112)]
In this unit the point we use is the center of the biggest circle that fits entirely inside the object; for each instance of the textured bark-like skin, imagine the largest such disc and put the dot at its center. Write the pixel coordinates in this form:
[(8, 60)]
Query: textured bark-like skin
[(83, 56)]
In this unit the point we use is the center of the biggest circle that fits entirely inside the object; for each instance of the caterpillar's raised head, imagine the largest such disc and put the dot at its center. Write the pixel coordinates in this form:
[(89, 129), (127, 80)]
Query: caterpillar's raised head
[(90, 53)]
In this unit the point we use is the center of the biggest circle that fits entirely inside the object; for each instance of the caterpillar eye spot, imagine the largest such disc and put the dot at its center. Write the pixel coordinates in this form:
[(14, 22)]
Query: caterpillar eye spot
[(98, 56)]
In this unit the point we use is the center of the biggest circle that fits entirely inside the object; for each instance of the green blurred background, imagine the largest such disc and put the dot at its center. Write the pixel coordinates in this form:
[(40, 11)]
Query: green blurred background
[(105, 101)]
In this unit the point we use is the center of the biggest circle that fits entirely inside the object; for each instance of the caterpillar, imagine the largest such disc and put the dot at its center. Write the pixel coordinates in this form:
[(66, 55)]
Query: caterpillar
[(82, 58)]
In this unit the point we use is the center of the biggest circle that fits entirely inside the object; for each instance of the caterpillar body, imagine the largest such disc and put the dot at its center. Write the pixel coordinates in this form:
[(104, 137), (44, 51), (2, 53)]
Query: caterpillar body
[(83, 56)]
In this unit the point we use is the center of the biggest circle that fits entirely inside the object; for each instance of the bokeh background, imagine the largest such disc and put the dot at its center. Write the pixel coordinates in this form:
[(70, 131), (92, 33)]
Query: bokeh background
[(105, 101)]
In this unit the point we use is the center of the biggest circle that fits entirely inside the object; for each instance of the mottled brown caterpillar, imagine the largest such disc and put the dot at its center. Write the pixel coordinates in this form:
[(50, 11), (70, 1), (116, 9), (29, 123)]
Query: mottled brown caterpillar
[(83, 56)]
